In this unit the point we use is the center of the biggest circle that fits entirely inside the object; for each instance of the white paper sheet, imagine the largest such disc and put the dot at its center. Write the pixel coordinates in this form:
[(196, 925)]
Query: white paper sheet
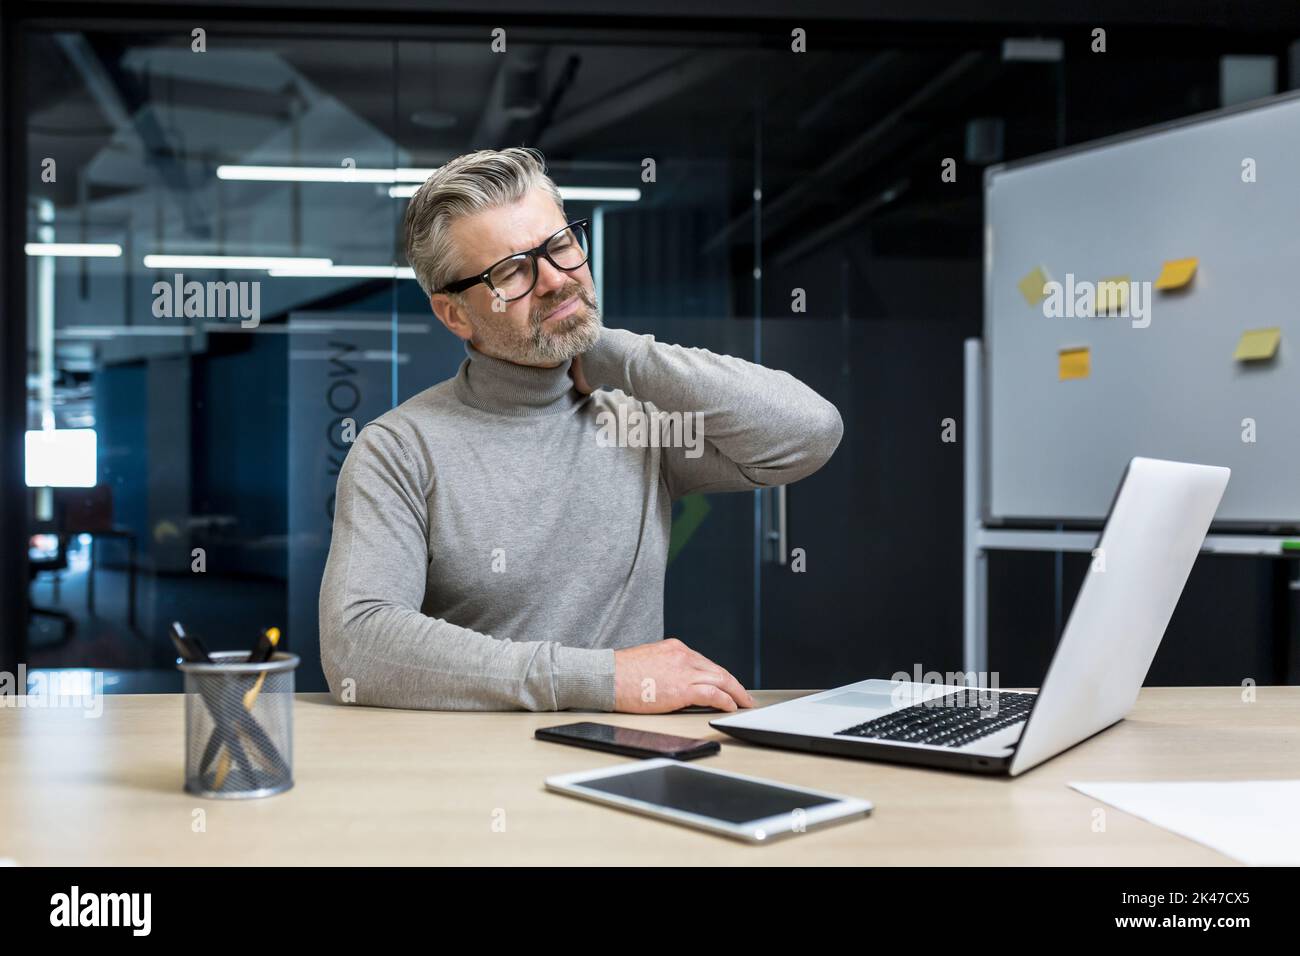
[(1253, 821)]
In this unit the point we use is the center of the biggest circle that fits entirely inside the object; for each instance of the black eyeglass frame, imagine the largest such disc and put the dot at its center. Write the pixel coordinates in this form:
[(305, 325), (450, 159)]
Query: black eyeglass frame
[(460, 285)]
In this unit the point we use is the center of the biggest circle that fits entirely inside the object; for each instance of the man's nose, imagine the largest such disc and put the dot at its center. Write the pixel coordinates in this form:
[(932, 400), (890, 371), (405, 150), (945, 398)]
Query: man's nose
[(549, 278)]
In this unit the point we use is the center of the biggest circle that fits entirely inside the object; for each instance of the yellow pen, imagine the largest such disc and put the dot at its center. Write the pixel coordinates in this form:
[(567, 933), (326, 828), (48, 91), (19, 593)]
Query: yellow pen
[(266, 644)]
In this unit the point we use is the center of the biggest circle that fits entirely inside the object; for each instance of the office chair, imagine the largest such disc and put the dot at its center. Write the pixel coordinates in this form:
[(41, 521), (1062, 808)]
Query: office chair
[(55, 564)]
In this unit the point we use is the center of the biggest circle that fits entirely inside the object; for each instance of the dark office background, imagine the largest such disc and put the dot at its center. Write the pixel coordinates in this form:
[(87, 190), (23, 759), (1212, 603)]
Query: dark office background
[(775, 171)]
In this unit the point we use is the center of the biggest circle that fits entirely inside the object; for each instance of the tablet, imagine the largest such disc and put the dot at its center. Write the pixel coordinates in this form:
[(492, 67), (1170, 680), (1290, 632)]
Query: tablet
[(730, 804)]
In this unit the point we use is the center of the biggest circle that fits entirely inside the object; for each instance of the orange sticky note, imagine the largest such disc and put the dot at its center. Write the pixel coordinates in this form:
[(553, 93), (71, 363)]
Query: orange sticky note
[(1112, 295), (1257, 345), (1031, 286), (1074, 363), (1176, 273)]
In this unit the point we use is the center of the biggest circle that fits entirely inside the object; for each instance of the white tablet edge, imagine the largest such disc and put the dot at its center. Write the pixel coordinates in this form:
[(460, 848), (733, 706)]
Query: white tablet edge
[(753, 831)]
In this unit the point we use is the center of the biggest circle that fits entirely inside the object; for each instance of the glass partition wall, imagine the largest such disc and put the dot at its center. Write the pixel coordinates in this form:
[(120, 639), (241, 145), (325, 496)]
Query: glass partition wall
[(218, 299), (216, 294)]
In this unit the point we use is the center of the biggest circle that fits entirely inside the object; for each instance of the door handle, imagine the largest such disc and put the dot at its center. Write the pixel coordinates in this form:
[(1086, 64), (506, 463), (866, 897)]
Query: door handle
[(776, 526)]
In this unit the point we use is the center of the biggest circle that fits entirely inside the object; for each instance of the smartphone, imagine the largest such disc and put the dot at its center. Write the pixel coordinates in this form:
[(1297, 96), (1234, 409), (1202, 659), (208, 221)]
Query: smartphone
[(627, 741)]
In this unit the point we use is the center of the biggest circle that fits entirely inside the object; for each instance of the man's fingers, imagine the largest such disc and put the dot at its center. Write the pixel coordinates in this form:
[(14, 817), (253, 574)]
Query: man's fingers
[(727, 682), (716, 683), (579, 379), (708, 695), (736, 689)]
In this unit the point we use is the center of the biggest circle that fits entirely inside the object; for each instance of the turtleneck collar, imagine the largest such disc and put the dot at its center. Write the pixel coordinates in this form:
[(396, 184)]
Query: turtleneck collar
[(504, 388)]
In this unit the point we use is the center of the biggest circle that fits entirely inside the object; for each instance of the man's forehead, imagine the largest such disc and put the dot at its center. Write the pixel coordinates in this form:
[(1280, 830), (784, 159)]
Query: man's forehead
[(495, 233)]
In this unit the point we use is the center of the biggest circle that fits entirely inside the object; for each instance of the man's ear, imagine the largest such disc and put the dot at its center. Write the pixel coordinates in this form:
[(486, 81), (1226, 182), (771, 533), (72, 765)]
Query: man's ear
[(450, 314)]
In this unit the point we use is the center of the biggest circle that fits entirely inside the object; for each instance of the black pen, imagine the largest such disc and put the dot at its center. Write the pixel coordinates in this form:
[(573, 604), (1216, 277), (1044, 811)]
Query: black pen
[(260, 654), (191, 649), (267, 641)]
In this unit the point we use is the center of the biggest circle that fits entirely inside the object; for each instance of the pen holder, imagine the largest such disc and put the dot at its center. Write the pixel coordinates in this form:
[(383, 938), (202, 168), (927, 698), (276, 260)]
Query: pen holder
[(239, 725)]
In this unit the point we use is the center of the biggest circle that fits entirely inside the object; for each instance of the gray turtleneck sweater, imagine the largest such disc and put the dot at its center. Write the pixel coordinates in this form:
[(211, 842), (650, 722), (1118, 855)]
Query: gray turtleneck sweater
[(499, 535)]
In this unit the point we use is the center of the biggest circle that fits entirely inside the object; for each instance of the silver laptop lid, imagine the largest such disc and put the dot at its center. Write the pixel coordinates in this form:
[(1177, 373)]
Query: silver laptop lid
[(1156, 527)]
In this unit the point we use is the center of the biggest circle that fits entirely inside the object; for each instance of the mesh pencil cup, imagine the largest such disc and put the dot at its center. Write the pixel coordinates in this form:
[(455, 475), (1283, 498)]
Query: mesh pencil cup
[(239, 725)]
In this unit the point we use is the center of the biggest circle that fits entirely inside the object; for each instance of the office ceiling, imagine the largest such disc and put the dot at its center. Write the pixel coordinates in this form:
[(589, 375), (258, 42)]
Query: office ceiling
[(840, 141)]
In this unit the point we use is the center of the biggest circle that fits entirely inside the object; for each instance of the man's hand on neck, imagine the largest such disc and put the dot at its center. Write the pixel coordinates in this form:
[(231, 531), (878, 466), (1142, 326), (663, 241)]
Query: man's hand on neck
[(579, 380)]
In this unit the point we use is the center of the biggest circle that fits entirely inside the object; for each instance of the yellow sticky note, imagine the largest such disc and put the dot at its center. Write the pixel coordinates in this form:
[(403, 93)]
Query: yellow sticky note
[(1257, 344), (1176, 273), (1112, 295), (1074, 363), (1031, 286)]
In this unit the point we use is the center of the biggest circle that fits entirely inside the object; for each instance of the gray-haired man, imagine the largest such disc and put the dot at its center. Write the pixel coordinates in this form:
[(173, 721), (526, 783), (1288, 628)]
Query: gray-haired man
[(500, 540)]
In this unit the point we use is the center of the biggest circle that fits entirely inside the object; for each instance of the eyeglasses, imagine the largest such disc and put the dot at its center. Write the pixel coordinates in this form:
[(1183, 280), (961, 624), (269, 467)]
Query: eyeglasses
[(516, 275)]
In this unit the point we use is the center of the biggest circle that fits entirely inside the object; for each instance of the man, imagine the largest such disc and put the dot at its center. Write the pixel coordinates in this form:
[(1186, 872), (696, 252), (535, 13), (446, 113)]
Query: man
[(496, 544)]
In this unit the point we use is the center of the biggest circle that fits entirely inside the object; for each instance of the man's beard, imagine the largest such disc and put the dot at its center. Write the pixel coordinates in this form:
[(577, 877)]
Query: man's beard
[(539, 345)]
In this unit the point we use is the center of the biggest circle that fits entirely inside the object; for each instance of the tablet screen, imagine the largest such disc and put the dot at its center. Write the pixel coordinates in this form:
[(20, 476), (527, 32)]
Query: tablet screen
[(707, 794)]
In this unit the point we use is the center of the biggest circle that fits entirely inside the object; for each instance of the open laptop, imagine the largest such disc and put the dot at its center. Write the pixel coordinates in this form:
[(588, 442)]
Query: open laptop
[(1155, 529)]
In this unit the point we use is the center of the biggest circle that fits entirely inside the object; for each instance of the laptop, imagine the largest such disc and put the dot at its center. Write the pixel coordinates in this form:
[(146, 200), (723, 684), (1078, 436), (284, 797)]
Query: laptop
[(1156, 526)]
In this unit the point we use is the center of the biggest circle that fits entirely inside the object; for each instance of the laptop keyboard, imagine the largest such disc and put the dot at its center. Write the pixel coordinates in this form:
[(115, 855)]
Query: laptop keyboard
[(951, 721)]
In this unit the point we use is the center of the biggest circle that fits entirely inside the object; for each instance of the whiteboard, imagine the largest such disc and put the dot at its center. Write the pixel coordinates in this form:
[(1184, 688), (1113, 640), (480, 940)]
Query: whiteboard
[(1122, 206)]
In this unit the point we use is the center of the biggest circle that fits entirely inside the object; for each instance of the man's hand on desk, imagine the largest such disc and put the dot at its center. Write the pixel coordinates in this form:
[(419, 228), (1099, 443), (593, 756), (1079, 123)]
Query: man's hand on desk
[(672, 676)]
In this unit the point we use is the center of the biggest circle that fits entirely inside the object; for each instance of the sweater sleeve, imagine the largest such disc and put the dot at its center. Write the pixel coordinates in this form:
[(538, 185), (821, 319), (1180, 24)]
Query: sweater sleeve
[(759, 427), (377, 647)]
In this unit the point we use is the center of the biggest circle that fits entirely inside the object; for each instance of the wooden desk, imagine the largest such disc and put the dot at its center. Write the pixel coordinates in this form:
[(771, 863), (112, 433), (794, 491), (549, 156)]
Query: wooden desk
[(410, 787)]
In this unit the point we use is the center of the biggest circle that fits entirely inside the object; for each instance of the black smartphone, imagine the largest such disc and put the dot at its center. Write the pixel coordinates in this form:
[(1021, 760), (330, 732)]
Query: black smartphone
[(627, 741)]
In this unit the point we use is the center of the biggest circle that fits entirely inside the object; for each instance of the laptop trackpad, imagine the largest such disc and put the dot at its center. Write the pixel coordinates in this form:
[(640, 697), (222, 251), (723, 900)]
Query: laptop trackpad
[(862, 701)]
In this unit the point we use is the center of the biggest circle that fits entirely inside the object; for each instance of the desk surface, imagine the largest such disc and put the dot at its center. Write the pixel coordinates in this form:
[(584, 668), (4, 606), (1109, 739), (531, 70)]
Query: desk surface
[(413, 787)]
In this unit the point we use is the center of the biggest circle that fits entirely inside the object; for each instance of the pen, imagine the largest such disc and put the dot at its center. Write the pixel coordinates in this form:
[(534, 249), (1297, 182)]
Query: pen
[(260, 654), (266, 644), (191, 649)]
